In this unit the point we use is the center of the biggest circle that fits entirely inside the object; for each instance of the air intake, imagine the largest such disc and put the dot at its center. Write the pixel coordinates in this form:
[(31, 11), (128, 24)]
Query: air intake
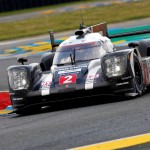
[(82, 32), (79, 32)]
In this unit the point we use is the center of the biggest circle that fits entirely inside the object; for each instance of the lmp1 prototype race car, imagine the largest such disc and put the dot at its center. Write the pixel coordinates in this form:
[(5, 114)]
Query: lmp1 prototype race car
[(83, 65)]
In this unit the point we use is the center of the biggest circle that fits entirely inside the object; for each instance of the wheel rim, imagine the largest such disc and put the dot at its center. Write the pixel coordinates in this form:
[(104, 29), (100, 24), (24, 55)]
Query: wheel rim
[(138, 77)]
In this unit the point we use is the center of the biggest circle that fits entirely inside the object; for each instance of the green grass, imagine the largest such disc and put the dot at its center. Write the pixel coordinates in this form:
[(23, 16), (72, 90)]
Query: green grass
[(67, 21)]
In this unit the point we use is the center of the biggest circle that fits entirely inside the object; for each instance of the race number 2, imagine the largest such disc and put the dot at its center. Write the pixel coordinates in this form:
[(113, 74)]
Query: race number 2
[(68, 79)]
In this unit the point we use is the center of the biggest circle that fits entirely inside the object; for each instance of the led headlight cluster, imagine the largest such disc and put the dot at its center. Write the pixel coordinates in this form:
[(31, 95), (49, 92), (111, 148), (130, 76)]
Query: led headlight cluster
[(18, 79), (114, 66)]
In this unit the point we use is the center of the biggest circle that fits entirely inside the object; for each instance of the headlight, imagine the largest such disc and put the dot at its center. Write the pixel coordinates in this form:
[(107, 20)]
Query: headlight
[(18, 79), (114, 66)]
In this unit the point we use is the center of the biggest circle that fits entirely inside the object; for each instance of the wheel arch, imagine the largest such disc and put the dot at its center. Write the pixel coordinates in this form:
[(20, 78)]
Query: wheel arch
[(47, 61), (137, 53), (144, 47)]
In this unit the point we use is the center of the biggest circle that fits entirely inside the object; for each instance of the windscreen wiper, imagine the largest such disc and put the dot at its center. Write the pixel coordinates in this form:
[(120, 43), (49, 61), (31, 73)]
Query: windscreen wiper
[(72, 57)]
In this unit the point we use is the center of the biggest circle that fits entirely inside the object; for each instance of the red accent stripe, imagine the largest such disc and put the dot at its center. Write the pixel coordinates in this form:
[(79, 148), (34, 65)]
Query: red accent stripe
[(4, 100)]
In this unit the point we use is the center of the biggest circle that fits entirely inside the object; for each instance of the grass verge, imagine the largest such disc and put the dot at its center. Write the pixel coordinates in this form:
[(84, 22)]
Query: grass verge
[(117, 12)]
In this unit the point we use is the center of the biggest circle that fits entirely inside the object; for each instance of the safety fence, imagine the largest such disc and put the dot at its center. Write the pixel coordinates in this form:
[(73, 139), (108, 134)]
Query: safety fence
[(10, 5)]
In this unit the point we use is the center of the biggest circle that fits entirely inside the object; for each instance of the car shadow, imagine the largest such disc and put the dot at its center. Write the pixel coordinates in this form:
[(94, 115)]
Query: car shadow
[(90, 101), (78, 103)]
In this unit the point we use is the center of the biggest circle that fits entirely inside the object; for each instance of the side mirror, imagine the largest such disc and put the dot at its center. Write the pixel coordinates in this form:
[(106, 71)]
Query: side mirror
[(22, 60)]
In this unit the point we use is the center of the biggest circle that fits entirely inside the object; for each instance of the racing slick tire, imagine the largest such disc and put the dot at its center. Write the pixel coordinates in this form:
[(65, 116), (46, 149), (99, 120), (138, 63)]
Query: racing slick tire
[(138, 85)]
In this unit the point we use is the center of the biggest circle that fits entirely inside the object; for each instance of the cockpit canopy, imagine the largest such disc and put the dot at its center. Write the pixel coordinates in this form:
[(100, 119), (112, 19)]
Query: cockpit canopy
[(78, 52)]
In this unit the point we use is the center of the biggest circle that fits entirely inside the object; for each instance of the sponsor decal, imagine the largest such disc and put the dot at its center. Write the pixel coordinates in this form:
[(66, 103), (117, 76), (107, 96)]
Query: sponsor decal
[(91, 78), (123, 83), (69, 71), (17, 99), (125, 78), (92, 74), (45, 85), (67, 79)]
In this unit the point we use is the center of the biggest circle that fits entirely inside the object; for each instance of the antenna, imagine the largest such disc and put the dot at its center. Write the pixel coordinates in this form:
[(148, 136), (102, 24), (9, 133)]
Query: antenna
[(82, 26)]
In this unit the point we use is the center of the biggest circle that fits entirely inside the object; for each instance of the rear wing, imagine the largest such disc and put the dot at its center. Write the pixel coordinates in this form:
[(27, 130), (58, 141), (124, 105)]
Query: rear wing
[(100, 28)]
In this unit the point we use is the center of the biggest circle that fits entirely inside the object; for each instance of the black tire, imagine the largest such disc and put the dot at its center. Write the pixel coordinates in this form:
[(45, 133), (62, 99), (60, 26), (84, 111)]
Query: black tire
[(138, 79)]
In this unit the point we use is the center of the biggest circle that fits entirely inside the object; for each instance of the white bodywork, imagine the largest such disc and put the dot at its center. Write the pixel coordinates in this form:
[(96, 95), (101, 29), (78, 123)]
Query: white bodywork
[(90, 37)]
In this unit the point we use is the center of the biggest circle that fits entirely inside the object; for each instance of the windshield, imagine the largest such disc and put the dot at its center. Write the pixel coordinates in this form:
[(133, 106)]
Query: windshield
[(78, 52)]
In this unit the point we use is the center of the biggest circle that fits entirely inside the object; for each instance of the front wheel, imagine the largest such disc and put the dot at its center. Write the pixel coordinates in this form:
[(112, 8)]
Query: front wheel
[(138, 77)]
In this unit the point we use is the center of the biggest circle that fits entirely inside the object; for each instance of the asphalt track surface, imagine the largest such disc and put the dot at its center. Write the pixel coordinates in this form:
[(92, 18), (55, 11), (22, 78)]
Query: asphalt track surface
[(72, 124), (76, 123)]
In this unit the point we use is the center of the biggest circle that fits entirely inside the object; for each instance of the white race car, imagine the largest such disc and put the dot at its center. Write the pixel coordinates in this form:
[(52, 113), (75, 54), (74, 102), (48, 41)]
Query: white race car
[(83, 65)]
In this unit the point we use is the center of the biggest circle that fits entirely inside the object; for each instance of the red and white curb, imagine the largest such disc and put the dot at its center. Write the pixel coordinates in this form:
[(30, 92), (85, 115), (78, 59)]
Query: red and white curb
[(5, 103)]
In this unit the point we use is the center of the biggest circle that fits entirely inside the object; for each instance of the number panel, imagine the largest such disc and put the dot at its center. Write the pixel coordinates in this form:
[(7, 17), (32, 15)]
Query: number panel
[(67, 79)]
